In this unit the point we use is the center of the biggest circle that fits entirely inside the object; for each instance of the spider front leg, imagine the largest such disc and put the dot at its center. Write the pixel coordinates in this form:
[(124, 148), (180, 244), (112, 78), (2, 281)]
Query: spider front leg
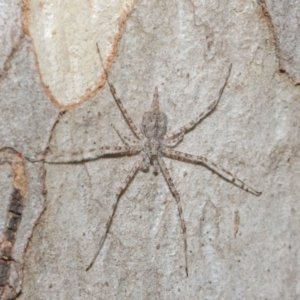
[(120, 192), (226, 175), (208, 110), (174, 192), (88, 155), (124, 112)]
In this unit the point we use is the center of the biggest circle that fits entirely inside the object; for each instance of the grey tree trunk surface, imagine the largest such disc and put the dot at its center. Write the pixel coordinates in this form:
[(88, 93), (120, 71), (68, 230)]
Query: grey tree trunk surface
[(55, 103)]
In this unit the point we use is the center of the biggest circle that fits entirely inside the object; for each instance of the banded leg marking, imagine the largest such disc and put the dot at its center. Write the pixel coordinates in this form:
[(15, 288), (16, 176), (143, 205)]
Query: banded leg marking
[(89, 155), (226, 175)]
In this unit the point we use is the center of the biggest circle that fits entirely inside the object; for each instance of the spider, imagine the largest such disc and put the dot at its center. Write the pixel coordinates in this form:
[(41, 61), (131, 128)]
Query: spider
[(151, 144)]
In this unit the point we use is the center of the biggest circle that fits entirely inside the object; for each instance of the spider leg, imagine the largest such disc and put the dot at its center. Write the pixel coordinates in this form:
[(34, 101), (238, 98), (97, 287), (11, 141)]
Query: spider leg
[(120, 191), (89, 155), (125, 139), (175, 141), (208, 110), (124, 112), (226, 175), (174, 192)]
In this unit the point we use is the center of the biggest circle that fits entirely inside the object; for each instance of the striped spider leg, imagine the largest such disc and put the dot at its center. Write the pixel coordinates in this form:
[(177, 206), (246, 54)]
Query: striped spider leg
[(88, 155), (226, 175)]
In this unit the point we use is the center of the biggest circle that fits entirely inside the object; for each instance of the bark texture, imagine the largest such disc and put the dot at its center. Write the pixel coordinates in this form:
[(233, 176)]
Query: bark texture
[(54, 100)]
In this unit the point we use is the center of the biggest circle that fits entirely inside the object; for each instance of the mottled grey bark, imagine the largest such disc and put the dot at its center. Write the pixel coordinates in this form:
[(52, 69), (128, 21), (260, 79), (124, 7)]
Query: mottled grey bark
[(239, 246)]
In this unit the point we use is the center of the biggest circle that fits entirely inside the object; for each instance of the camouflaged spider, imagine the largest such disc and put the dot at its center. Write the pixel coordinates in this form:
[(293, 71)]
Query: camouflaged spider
[(151, 144)]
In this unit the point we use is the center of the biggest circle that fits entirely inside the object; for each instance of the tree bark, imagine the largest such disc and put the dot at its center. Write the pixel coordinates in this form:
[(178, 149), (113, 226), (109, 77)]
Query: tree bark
[(55, 102)]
